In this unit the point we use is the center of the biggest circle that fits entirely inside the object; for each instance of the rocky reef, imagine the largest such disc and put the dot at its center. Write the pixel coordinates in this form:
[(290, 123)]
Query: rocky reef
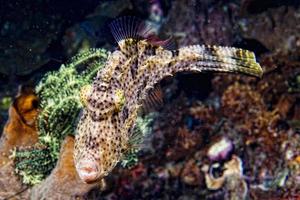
[(215, 137)]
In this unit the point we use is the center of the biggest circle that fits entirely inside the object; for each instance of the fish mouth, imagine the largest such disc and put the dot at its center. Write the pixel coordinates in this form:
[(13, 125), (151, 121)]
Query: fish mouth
[(88, 170)]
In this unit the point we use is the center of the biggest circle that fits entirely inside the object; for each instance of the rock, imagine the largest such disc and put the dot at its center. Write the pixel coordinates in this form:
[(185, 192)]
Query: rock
[(275, 28)]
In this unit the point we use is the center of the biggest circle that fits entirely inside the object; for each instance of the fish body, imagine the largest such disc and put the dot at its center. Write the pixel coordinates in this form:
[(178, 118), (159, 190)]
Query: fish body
[(117, 94)]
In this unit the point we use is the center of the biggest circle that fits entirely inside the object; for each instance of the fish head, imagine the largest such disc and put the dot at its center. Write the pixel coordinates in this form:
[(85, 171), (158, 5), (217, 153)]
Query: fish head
[(97, 148)]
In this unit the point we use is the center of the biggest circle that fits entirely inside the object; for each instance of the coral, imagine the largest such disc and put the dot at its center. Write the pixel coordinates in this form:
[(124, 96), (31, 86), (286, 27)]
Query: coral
[(261, 117), (22, 115), (20, 130), (20, 136), (173, 123), (238, 98), (232, 179), (263, 135), (59, 105)]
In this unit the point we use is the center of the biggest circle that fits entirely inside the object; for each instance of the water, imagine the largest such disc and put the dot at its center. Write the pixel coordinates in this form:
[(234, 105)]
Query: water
[(181, 156)]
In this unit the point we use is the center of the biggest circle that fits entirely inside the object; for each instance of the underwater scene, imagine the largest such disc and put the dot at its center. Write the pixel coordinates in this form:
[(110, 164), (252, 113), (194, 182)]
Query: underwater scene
[(150, 99)]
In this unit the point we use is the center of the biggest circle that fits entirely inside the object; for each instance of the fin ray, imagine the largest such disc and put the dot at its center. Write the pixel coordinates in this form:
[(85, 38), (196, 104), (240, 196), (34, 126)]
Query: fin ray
[(154, 100), (130, 27)]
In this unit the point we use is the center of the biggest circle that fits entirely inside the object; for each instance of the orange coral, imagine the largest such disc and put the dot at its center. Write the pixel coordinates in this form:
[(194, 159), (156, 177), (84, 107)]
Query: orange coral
[(20, 129), (244, 105), (238, 99)]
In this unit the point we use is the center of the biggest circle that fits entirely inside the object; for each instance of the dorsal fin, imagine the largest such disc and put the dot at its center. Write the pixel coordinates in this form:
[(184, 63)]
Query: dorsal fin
[(168, 44), (130, 27)]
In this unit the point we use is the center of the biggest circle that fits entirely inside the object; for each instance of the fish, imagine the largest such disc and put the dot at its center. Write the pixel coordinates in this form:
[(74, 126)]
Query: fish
[(131, 73)]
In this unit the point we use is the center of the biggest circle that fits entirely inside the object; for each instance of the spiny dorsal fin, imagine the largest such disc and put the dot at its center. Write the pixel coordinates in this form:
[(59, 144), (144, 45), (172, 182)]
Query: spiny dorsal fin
[(130, 27), (168, 44)]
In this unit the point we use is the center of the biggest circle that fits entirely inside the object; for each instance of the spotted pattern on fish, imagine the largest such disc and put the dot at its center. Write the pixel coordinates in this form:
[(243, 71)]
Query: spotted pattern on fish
[(113, 102)]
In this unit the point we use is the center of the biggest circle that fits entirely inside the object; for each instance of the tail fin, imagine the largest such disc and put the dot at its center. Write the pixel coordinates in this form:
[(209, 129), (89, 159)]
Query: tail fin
[(223, 59)]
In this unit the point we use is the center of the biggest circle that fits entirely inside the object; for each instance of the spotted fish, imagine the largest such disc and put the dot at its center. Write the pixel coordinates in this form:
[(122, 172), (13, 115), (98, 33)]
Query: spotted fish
[(119, 90)]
